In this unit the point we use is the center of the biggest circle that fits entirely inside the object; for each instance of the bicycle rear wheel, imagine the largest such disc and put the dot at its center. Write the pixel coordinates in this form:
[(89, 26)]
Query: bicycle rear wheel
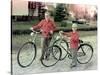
[(26, 54), (64, 47), (51, 61), (84, 54)]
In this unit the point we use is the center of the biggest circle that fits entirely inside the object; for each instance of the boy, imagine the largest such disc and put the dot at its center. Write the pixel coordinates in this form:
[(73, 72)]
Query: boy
[(74, 41), (47, 27)]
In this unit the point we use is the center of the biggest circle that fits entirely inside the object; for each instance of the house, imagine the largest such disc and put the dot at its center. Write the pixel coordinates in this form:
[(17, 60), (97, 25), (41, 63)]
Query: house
[(26, 10)]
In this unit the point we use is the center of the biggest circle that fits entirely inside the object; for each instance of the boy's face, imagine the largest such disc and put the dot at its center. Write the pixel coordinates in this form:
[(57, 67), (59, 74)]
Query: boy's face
[(74, 28), (47, 16)]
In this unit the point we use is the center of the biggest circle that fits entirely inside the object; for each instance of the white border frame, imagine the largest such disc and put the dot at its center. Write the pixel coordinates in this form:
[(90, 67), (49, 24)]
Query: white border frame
[(5, 36)]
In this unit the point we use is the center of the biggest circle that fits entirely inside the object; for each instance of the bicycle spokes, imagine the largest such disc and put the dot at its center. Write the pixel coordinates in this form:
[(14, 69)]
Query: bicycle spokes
[(84, 53), (53, 57)]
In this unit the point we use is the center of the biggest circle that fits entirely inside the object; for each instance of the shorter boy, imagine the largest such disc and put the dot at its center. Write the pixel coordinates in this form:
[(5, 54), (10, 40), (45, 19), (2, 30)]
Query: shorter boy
[(74, 41)]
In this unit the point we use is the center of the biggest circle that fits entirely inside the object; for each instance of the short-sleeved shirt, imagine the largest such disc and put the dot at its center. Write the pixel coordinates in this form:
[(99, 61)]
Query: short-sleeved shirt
[(74, 39)]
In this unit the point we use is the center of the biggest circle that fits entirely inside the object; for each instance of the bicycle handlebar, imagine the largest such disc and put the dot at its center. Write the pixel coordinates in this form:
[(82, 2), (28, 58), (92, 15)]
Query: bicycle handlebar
[(34, 31), (61, 34), (37, 32)]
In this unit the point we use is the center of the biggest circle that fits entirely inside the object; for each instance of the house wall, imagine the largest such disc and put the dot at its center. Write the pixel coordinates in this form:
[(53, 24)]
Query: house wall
[(19, 7)]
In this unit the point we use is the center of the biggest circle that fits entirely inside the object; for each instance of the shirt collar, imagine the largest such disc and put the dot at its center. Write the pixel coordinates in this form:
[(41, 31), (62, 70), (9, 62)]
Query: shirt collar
[(48, 20)]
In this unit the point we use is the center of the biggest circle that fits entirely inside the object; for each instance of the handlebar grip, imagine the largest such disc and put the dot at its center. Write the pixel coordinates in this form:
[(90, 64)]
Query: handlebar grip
[(81, 41)]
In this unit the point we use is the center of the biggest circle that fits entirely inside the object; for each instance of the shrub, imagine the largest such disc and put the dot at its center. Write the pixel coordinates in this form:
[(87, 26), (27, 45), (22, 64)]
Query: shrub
[(63, 24)]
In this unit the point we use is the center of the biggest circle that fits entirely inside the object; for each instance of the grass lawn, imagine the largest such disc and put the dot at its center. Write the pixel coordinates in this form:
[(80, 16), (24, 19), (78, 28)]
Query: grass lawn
[(28, 24), (23, 25)]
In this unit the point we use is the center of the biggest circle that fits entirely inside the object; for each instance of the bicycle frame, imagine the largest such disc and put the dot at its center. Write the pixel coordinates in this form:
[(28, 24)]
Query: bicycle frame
[(33, 45), (60, 37), (33, 36), (68, 51)]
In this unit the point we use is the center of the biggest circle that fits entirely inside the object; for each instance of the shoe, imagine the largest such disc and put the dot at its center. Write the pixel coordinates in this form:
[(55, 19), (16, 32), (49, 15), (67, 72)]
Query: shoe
[(69, 56), (42, 58), (73, 65), (47, 58)]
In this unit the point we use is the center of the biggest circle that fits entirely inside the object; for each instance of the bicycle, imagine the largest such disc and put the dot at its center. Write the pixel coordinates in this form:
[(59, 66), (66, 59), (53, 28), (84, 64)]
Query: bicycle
[(27, 53), (84, 53)]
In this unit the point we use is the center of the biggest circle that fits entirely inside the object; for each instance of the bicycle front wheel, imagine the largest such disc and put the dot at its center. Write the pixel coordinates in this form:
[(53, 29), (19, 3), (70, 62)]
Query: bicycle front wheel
[(26, 54), (51, 61), (85, 53)]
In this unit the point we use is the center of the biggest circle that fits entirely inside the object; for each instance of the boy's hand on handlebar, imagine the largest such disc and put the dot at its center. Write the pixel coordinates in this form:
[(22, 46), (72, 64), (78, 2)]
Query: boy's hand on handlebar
[(31, 28), (51, 32), (41, 30), (61, 32), (31, 33)]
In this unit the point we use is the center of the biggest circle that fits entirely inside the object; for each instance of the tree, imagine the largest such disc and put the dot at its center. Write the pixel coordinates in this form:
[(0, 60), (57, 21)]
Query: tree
[(59, 12)]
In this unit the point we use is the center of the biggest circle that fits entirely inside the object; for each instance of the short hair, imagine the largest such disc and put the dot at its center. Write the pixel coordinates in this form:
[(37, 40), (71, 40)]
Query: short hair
[(74, 25)]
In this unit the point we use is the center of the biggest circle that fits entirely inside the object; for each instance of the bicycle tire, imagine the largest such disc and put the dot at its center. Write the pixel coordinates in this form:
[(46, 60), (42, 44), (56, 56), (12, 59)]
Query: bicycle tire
[(79, 58), (20, 52), (56, 60)]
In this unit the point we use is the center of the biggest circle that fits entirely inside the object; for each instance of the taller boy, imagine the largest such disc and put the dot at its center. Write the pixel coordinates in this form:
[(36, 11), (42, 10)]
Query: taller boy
[(47, 27)]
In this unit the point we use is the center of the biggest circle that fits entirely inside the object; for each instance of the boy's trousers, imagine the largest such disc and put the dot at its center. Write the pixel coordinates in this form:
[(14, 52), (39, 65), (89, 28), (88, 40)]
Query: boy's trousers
[(46, 42), (74, 55)]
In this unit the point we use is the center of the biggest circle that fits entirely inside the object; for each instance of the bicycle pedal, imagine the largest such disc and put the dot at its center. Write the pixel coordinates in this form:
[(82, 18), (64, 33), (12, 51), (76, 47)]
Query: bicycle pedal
[(47, 59), (69, 56), (79, 54)]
